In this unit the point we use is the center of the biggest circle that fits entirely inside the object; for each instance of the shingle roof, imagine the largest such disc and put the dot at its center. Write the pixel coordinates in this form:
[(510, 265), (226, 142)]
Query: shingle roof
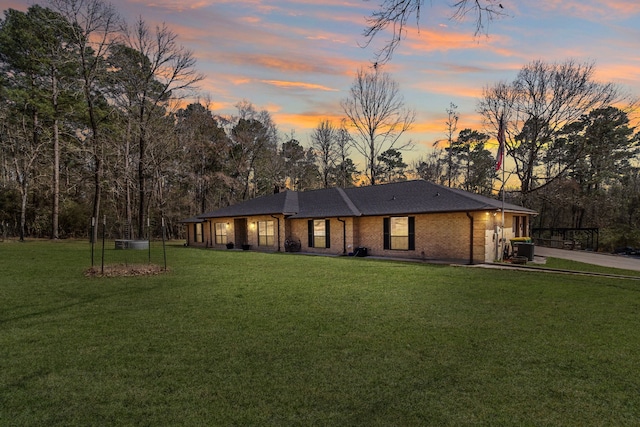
[(280, 203), (192, 220), (408, 197), (324, 203)]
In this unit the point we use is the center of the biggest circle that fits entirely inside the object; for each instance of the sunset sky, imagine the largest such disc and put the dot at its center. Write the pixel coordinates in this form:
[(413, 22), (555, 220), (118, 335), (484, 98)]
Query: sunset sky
[(298, 58)]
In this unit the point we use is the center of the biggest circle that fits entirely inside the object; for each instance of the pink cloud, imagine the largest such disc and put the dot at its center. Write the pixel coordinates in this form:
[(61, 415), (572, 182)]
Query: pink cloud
[(298, 85), (445, 40)]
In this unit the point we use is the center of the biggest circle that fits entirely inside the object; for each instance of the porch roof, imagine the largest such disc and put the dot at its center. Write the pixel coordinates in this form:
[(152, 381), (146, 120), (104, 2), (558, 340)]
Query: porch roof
[(281, 203)]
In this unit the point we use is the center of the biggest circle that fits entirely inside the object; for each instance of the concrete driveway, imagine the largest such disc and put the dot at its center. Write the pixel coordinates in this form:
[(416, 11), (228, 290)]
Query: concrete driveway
[(606, 260)]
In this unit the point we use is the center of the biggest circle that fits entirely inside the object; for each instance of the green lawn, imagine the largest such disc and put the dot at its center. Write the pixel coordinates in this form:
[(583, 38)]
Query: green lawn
[(245, 338), (565, 264)]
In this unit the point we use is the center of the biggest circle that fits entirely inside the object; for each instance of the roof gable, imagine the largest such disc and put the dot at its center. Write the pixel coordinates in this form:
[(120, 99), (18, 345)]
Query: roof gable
[(329, 202)]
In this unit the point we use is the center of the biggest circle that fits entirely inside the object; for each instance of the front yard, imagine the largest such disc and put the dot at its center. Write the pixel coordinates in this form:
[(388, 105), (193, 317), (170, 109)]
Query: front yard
[(246, 338)]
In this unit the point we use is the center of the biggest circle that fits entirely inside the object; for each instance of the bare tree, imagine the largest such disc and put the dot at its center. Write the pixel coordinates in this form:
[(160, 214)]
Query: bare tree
[(375, 109), (152, 70), (95, 27), (20, 139), (323, 140), (397, 13), (535, 106), (452, 126)]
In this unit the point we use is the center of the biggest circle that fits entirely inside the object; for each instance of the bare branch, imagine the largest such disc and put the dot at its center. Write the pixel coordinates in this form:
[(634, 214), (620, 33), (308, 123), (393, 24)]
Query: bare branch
[(396, 14), (536, 106), (375, 109)]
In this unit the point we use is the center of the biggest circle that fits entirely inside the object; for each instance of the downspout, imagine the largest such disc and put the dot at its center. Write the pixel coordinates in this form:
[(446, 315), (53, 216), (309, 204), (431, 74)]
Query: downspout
[(209, 237), (278, 218), (344, 236), (470, 238)]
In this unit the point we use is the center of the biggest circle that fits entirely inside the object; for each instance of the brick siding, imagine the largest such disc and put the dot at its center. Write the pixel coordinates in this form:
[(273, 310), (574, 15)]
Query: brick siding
[(443, 236)]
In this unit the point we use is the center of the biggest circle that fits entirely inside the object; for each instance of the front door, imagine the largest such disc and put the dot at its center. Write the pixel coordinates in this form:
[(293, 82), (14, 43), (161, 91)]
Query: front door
[(240, 227)]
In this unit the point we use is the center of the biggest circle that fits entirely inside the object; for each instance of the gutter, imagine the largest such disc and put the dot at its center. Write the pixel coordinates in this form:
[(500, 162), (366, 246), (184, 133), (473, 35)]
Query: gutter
[(344, 236), (470, 238), (278, 218)]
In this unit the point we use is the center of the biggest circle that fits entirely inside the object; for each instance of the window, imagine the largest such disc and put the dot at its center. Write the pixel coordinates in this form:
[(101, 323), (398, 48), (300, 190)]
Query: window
[(399, 233), (221, 233), (266, 233), (197, 233), (520, 228), (319, 235)]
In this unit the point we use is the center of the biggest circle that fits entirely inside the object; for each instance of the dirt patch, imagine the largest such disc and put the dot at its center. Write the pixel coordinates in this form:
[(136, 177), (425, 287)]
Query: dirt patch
[(124, 270)]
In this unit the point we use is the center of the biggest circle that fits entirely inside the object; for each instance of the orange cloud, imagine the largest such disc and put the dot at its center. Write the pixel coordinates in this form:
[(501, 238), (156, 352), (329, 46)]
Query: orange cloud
[(300, 64), (449, 88), (444, 40), (300, 85), (250, 19), (304, 121), (623, 73), (428, 127)]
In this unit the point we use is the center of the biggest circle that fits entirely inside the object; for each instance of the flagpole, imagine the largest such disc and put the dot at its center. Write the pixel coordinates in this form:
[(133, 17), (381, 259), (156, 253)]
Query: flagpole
[(503, 190), (500, 163)]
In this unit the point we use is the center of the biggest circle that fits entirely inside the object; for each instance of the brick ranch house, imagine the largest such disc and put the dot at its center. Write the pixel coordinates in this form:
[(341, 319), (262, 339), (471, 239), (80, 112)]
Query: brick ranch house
[(410, 219)]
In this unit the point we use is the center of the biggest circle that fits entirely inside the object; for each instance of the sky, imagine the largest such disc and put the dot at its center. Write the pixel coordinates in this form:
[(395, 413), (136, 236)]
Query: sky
[(297, 59)]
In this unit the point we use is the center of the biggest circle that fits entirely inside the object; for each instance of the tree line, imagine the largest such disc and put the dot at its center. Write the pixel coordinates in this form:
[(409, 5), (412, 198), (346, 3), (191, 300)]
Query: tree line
[(95, 122), (94, 125)]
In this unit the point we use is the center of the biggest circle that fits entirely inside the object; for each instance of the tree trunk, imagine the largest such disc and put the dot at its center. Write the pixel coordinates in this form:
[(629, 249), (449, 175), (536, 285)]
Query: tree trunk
[(98, 153), (97, 177), (141, 188), (56, 160), (127, 181), (24, 187), (56, 182), (141, 176)]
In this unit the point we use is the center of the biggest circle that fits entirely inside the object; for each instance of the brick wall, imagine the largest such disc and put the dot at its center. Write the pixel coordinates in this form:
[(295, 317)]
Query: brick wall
[(298, 229), (190, 233), (437, 236)]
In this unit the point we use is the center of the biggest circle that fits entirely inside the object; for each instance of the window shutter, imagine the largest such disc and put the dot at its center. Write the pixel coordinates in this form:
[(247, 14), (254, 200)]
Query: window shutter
[(310, 232), (327, 233), (412, 233), (386, 225)]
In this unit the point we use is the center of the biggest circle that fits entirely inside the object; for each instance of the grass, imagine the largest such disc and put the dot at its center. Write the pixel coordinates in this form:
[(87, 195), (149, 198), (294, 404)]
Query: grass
[(565, 264), (246, 338)]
